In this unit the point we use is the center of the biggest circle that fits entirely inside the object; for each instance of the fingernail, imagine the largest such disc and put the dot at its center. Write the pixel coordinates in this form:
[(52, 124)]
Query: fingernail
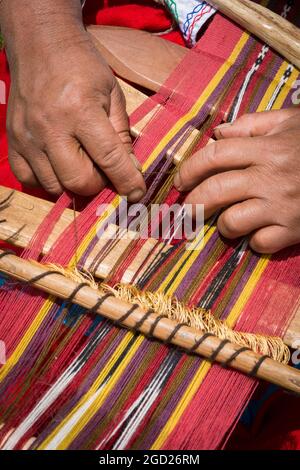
[(135, 195), (223, 126), (177, 182), (135, 161)]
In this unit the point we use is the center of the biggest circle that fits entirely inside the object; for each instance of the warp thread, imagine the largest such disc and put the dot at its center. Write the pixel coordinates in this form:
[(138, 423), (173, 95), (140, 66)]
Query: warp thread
[(166, 306)]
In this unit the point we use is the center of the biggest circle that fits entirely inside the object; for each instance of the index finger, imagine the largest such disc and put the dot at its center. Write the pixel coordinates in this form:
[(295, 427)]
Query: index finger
[(218, 157), (106, 149), (255, 124)]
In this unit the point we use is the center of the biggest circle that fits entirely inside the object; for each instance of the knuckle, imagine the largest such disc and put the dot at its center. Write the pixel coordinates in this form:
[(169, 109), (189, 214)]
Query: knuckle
[(72, 97), (110, 157), (43, 116), (282, 155), (77, 183), (258, 244), (75, 100), (213, 188), (244, 122), (228, 223), (212, 152), (186, 170), (52, 186), (244, 119), (282, 160), (126, 138), (15, 132), (290, 188), (38, 121), (41, 122)]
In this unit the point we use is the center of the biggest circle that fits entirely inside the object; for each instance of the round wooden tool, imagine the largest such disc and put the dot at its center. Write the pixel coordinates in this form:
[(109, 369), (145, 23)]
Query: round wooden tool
[(137, 56), (273, 29)]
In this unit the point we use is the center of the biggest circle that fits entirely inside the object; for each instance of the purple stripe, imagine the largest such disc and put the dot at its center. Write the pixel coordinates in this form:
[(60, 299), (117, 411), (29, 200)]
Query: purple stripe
[(257, 98), (33, 350), (167, 411), (288, 102), (197, 265), (85, 385), (127, 374), (241, 284)]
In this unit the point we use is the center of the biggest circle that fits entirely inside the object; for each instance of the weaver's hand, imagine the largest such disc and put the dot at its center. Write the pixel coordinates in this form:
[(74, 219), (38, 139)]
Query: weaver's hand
[(67, 124), (253, 171)]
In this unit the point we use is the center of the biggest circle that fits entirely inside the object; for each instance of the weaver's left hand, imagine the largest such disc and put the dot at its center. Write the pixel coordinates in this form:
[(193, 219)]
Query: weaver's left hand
[(253, 171)]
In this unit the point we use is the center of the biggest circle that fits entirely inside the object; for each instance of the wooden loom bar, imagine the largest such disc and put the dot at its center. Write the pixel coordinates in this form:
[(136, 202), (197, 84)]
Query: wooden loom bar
[(135, 317), (134, 98), (273, 29), (23, 214)]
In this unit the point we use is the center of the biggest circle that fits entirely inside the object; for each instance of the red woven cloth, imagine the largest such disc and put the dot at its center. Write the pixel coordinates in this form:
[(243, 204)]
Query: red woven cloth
[(277, 422)]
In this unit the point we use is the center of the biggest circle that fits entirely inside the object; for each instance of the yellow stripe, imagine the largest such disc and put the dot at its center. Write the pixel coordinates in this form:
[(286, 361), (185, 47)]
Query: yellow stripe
[(176, 128), (93, 231), (205, 366), (199, 103), (272, 87), (182, 405), (181, 268), (26, 338), (247, 291), (287, 88), (94, 407)]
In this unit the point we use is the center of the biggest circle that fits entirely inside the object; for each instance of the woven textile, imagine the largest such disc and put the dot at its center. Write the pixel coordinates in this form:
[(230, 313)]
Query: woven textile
[(74, 380)]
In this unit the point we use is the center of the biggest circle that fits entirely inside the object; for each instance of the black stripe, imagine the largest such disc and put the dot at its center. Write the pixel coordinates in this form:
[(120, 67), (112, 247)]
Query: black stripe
[(98, 304), (127, 314), (234, 356), (200, 341), (174, 332), (155, 323), (255, 369), (214, 355), (143, 319)]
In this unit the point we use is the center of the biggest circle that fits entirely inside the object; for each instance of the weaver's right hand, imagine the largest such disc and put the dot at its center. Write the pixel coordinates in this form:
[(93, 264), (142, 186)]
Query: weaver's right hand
[(67, 124)]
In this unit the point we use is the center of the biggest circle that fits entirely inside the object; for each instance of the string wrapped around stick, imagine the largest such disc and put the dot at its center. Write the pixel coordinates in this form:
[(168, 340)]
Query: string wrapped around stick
[(81, 289), (168, 306), (75, 380)]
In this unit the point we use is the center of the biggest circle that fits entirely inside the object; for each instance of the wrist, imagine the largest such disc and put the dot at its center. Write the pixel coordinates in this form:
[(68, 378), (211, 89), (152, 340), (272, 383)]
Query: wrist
[(34, 26)]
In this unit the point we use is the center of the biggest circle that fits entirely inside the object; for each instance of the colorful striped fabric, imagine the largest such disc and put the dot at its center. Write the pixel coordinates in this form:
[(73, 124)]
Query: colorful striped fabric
[(74, 380)]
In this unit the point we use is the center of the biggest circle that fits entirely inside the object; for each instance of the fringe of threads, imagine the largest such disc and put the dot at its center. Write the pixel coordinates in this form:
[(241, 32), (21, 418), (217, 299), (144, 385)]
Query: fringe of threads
[(198, 318)]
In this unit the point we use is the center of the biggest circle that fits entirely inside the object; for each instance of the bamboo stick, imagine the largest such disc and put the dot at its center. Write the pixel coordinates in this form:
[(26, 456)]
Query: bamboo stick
[(24, 213), (273, 29), (165, 329)]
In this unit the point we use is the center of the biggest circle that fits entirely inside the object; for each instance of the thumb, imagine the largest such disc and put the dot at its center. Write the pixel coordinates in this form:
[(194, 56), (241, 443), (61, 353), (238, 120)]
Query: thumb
[(255, 124), (120, 121)]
